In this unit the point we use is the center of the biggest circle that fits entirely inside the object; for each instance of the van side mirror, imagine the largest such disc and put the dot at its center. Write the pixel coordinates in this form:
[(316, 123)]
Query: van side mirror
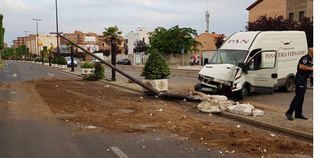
[(244, 67)]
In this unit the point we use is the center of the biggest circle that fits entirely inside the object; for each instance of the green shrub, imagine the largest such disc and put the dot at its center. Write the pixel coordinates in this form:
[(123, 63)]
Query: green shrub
[(87, 64), (55, 61), (99, 71), (91, 77), (38, 60), (156, 67), (60, 60)]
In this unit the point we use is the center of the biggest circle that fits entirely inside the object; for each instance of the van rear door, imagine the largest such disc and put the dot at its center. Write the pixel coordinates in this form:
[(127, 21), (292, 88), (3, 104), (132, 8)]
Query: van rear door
[(262, 71)]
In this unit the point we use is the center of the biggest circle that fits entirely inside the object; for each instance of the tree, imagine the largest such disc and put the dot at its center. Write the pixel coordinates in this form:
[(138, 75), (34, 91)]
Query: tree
[(173, 40), (156, 67), (306, 25), (140, 46), (220, 40), (1, 35), (279, 23), (113, 35)]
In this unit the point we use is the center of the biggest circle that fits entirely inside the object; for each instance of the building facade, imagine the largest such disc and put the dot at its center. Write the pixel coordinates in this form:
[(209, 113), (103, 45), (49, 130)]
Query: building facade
[(295, 10), (140, 34), (208, 45), (88, 41), (49, 41)]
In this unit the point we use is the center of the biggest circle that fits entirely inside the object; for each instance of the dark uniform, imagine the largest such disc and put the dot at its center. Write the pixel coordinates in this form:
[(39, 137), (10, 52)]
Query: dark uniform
[(301, 86)]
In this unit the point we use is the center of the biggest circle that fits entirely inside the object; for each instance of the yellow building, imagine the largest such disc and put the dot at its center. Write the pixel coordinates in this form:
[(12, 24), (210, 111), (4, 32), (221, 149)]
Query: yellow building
[(295, 10)]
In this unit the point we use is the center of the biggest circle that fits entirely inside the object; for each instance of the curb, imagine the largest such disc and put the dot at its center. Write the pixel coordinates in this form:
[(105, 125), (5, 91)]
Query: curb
[(228, 115), (269, 126)]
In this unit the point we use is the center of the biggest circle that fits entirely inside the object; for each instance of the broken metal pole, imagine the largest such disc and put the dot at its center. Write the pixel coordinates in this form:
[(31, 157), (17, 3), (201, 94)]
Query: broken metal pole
[(149, 88), (164, 95)]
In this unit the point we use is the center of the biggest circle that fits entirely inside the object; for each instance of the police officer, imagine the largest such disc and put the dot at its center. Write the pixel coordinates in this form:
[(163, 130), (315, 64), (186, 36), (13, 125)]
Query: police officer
[(304, 67)]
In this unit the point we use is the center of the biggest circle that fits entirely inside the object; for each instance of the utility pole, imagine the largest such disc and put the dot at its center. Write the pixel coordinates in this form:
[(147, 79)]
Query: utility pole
[(57, 27), (207, 21), (37, 37)]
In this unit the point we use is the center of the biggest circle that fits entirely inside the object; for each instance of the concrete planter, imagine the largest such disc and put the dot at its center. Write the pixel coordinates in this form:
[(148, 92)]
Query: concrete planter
[(54, 65), (46, 64), (87, 71), (160, 84), (63, 67), (39, 63)]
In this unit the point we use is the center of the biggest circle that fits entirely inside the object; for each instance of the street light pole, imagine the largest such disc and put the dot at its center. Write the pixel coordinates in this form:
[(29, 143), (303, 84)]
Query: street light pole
[(57, 27), (37, 38), (27, 39)]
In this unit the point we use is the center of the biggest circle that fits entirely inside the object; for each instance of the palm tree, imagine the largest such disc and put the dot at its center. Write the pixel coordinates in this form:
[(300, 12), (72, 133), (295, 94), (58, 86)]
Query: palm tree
[(113, 35)]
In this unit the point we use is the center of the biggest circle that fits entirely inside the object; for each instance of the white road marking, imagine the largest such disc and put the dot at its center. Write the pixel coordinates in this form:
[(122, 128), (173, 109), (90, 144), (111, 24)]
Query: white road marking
[(14, 75), (118, 152), (50, 74)]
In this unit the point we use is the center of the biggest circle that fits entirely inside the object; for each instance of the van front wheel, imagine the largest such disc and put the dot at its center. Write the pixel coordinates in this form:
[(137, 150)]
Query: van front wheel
[(244, 92), (288, 87)]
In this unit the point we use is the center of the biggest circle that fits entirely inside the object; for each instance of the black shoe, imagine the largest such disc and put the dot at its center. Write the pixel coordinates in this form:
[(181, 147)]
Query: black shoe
[(289, 116), (301, 117)]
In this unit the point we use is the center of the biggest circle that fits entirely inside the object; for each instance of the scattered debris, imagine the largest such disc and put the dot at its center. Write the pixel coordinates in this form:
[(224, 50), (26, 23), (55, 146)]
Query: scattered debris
[(238, 126), (272, 135), (91, 127), (143, 147), (257, 112), (107, 86), (12, 92), (141, 97), (207, 106), (160, 110)]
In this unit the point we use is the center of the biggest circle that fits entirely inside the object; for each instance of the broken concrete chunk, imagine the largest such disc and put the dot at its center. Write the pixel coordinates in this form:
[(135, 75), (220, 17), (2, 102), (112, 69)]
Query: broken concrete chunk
[(208, 107), (219, 97), (257, 112), (241, 109), (223, 105)]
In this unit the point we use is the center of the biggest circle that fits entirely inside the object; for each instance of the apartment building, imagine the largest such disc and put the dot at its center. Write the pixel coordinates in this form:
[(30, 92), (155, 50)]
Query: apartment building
[(295, 10)]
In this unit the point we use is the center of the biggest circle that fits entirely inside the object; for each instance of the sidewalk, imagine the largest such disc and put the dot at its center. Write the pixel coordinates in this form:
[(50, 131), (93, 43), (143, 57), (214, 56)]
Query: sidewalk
[(271, 120)]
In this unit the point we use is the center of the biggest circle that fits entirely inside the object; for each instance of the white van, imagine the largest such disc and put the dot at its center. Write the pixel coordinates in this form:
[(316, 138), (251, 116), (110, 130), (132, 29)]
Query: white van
[(254, 62)]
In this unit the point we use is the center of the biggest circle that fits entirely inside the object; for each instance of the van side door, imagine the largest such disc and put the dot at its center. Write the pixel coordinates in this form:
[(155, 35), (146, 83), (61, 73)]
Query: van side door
[(262, 71)]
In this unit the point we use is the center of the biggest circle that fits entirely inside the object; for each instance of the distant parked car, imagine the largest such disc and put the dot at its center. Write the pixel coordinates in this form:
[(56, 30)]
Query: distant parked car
[(124, 62), (69, 61)]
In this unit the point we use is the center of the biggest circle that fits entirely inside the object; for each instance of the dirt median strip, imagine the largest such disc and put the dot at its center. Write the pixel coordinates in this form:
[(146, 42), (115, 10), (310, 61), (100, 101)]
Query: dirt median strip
[(117, 111), (296, 133)]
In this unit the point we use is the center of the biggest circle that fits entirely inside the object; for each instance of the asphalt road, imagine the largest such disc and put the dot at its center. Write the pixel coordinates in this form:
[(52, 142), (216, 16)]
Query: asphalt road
[(29, 129), (278, 100)]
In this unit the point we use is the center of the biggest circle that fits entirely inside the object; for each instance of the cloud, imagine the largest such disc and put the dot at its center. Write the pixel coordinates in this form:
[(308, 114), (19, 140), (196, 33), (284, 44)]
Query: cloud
[(17, 5), (227, 16)]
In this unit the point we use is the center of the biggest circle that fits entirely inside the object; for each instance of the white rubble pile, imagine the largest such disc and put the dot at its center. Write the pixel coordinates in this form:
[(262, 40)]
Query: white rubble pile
[(241, 109), (219, 103)]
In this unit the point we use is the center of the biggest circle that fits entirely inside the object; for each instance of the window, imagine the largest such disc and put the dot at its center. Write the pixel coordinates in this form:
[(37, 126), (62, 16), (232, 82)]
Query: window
[(263, 60), (301, 16), (291, 17), (223, 56)]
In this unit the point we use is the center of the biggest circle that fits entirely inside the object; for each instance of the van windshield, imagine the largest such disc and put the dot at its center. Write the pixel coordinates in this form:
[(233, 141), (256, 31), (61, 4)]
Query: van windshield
[(224, 56)]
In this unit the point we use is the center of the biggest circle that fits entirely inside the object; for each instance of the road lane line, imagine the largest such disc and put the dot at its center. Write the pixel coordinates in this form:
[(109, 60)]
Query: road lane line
[(118, 152)]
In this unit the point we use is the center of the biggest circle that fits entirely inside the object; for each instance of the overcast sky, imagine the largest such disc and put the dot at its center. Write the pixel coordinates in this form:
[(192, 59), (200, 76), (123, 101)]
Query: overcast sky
[(227, 16)]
